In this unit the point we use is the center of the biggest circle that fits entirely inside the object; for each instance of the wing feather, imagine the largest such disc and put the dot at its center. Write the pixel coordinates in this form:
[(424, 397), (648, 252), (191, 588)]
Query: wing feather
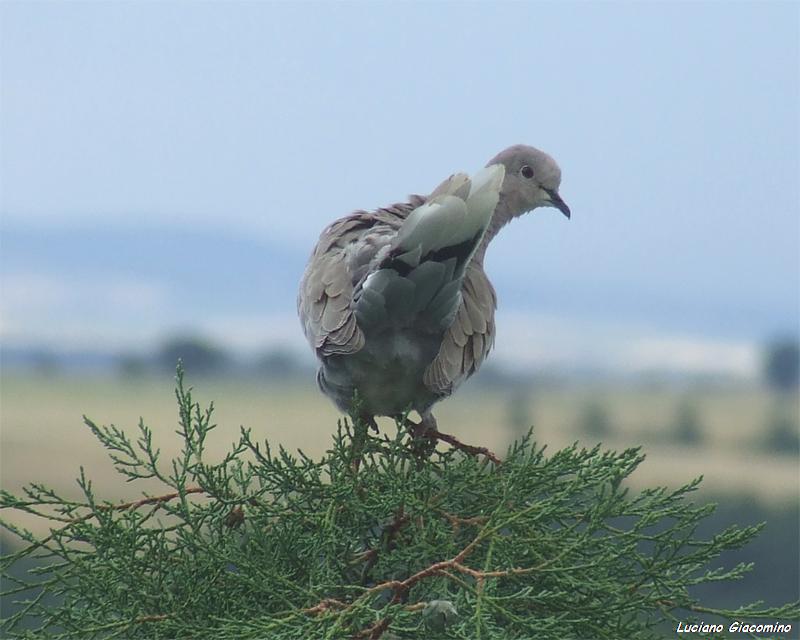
[(339, 261), (468, 340), (327, 289)]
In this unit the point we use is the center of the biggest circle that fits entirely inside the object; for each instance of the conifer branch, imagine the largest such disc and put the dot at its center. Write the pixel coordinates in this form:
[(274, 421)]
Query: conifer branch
[(288, 547)]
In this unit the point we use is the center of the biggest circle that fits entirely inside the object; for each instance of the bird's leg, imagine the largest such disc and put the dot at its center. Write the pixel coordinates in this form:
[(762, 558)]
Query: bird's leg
[(427, 425), (362, 422), (371, 423), (422, 442), (427, 429)]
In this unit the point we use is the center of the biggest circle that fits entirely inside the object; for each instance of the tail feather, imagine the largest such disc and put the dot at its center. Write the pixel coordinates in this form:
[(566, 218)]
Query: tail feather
[(428, 278)]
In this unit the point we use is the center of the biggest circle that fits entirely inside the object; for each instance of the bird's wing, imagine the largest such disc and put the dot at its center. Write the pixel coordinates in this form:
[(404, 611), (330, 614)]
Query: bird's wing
[(470, 337), (325, 294), (343, 255)]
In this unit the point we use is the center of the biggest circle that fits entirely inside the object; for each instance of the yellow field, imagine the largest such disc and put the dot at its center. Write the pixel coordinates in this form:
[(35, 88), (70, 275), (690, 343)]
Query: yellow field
[(43, 438)]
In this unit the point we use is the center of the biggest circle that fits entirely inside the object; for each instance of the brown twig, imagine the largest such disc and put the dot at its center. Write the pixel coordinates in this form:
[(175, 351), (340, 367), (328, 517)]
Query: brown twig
[(419, 431), (154, 618), (671, 604), (140, 503), (400, 587), (443, 567), (447, 568), (457, 521), (135, 504), (467, 448), (326, 605)]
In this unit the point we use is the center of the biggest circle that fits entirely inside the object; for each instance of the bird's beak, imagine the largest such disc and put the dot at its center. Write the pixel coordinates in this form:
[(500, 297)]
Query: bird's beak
[(557, 202)]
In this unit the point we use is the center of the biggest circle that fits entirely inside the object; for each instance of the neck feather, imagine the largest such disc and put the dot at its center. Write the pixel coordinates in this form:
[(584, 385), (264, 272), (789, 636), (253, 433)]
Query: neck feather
[(501, 217)]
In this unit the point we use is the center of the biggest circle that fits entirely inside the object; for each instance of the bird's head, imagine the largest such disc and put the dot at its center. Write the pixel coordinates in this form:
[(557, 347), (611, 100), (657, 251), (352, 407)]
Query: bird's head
[(532, 180)]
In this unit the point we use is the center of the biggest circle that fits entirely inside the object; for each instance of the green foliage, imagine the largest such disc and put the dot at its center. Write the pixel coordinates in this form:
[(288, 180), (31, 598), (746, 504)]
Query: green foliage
[(367, 542)]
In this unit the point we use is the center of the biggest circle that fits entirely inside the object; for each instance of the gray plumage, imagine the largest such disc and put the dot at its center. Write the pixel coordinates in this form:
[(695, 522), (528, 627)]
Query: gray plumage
[(395, 302)]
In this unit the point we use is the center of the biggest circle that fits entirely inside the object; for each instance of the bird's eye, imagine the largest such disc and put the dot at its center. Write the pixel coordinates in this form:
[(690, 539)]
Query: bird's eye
[(526, 172)]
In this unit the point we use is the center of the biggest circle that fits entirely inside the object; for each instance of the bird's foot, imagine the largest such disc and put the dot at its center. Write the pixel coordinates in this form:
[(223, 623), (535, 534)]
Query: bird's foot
[(422, 444), (425, 435)]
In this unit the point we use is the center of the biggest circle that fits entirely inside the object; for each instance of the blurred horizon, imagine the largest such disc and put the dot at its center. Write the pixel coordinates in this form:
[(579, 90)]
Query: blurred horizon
[(106, 306)]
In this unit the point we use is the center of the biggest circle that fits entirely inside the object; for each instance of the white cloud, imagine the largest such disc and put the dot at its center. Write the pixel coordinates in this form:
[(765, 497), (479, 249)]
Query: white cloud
[(690, 354), (46, 292), (101, 312), (544, 341), (26, 292), (249, 332)]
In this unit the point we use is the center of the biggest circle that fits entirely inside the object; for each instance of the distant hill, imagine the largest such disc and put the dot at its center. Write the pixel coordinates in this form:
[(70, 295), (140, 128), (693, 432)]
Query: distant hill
[(241, 273)]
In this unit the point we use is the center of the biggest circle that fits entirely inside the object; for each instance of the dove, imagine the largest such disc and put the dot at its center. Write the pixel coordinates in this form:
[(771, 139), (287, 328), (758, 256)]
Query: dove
[(395, 302)]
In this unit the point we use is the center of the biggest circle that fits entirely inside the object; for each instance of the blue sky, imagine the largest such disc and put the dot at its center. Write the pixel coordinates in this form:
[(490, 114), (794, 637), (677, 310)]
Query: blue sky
[(675, 125)]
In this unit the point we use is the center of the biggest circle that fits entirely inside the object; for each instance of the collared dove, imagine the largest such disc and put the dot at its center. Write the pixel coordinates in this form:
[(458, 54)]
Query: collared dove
[(395, 302)]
